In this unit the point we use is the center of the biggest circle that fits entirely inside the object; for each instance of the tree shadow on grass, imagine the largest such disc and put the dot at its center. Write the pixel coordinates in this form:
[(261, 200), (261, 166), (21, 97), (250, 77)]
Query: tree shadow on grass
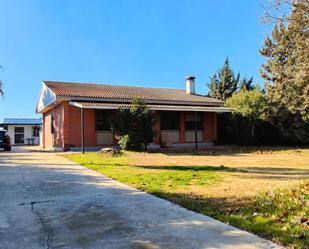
[(251, 172), (239, 212), (192, 168), (231, 150)]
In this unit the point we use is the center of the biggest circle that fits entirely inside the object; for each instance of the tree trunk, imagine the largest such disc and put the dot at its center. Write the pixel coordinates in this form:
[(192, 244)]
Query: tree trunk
[(252, 134)]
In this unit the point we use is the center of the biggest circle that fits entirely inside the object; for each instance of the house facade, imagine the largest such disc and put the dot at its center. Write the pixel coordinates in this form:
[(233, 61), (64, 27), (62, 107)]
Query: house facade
[(76, 115), (23, 131)]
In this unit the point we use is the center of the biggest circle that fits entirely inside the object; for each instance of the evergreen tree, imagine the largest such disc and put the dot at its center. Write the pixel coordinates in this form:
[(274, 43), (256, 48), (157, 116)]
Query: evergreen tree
[(286, 73), (214, 87), (246, 84), (224, 82)]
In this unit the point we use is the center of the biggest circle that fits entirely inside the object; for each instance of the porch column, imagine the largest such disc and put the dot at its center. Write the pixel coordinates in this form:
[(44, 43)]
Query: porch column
[(205, 126), (215, 126), (157, 139), (195, 130), (182, 127), (115, 140)]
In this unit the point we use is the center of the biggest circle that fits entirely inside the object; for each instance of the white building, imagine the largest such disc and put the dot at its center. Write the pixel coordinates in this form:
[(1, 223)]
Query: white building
[(23, 131)]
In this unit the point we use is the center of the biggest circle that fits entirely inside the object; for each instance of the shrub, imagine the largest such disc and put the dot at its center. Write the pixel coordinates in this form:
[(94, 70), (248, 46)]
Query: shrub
[(134, 126), (124, 141)]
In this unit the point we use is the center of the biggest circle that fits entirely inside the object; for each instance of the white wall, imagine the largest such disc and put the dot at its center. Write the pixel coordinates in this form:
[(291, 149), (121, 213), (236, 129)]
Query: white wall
[(190, 136), (105, 138), (27, 133), (170, 136)]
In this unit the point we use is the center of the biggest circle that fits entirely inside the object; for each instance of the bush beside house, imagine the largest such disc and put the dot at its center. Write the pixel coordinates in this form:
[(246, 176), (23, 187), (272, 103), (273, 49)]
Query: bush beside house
[(134, 126)]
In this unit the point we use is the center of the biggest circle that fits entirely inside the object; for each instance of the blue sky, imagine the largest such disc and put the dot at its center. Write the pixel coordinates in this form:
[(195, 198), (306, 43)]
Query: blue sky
[(128, 42)]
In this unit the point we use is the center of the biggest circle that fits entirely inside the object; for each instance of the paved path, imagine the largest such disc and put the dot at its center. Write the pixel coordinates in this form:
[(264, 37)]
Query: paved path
[(47, 201)]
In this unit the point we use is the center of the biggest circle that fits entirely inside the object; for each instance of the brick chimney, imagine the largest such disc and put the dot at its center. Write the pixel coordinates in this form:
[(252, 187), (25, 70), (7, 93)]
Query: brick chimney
[(190, 85)]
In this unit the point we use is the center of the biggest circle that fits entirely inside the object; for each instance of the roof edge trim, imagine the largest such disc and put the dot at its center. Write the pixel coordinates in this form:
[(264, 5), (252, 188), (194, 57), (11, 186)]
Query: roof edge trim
[(112, 106)]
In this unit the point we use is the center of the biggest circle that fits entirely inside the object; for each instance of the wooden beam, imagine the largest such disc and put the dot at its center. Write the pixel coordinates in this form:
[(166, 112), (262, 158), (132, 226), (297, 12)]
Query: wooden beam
[(195, 130)]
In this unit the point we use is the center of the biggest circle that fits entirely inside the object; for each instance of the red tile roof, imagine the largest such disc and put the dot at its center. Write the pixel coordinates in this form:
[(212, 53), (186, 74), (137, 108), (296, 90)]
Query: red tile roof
[(115, 92)]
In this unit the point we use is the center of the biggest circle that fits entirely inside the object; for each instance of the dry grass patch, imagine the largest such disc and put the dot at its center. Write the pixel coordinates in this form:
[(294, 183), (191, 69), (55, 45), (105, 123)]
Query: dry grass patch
[(255, 170), (226, 183)]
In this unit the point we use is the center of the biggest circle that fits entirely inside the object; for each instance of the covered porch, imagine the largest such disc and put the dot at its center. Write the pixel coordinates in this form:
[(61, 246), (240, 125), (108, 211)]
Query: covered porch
[(175, 125)]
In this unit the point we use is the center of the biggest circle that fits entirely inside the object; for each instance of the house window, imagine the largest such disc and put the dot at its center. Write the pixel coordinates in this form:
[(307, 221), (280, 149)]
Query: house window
[(102, 120), (35, 131), (169, 120), (190, 124)]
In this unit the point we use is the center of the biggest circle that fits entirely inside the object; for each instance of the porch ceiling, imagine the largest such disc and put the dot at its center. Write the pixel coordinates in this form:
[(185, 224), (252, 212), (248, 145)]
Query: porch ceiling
[(115, 106)]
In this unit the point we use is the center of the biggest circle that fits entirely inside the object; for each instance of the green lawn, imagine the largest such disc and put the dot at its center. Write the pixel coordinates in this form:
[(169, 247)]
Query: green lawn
[(202, 184)]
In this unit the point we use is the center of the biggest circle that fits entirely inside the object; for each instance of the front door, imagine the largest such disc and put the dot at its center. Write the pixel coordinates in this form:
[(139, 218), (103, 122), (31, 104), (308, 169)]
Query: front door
[(19, 135)]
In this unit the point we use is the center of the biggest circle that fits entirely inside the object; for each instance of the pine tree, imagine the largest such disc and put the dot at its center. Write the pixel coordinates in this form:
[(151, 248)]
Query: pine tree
[(286, 73), (246, 84), (224, 82), (213, 87)]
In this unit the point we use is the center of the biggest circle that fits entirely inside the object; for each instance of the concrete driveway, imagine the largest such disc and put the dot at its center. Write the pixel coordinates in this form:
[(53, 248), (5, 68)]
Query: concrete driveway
[(47, 201)]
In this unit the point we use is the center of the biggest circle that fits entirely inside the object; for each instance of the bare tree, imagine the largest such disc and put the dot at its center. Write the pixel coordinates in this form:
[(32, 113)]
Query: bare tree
[(277, 10)]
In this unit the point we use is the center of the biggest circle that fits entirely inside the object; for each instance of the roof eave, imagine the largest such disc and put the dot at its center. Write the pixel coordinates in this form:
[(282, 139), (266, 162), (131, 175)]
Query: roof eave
[(48, 105), (218, 109), (147, 101)]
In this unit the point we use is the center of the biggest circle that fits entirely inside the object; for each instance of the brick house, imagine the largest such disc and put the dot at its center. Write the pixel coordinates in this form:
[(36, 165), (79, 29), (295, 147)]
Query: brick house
[(75, 115)]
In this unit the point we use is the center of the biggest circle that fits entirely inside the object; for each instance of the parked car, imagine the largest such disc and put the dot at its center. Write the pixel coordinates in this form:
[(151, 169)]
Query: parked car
[(5, 140)]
